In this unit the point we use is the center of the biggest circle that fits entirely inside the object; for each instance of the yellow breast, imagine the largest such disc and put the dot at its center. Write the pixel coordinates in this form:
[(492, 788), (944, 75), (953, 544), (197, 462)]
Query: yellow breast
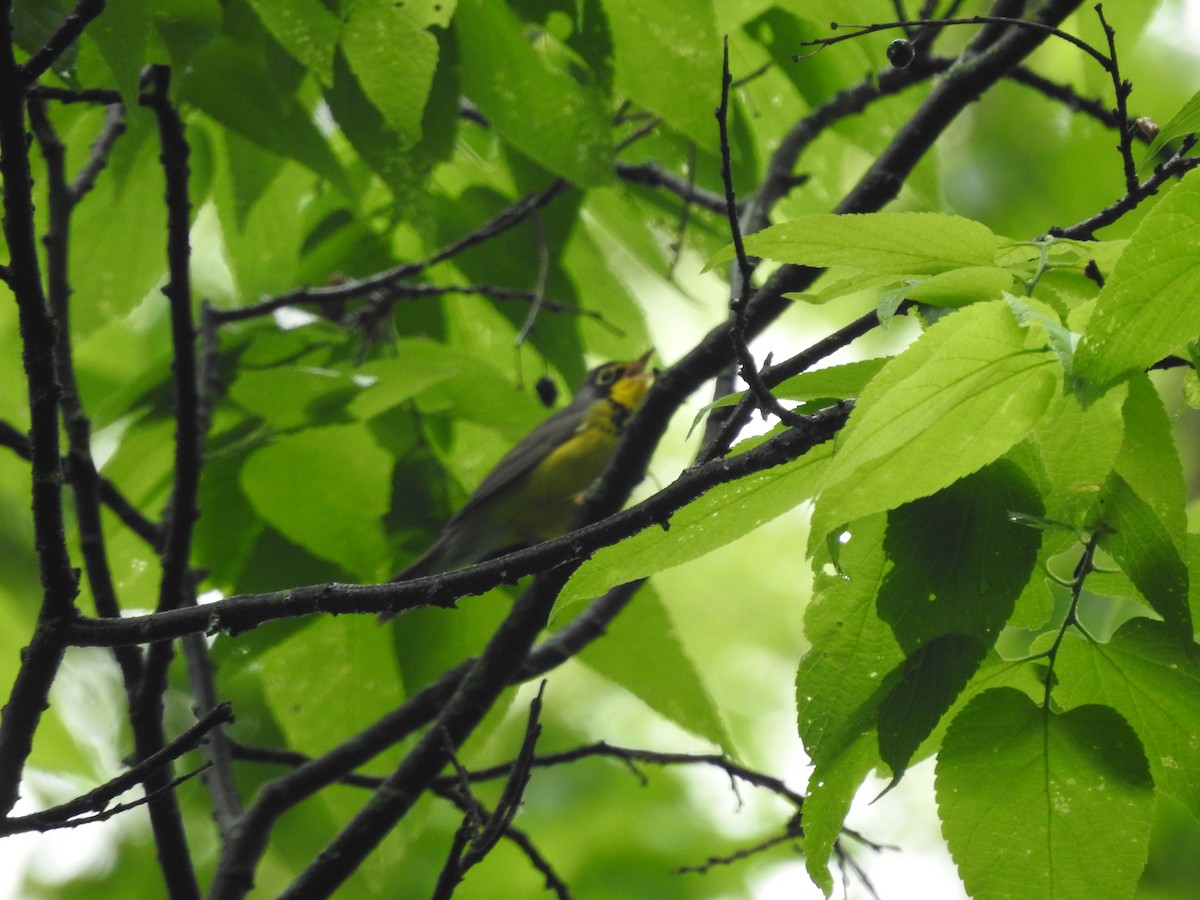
[(543, 503)]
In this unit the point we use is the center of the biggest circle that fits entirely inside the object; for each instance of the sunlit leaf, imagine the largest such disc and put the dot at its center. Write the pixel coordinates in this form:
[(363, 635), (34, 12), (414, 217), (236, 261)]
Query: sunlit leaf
[(962, 395), (1145, 311), (1153, 681), (1036, 803), (901, 243)]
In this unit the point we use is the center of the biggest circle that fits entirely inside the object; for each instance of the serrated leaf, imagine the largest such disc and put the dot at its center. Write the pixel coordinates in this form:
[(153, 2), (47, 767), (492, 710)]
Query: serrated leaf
[(852, 648), (841, 381), (1146, 552), (1144, 506), (960, 396), (667, 58), (1153, 681), (393, 55), (1037, 804), (567, 130), (326, 489), (1145, 310), (278, 123), (958, 562), (641, 652), (723, 514), (959, 287), (929, 681), (900, 243), (1077, 448), (305, 28), (121, 35), (831, 789), (1030, 313)]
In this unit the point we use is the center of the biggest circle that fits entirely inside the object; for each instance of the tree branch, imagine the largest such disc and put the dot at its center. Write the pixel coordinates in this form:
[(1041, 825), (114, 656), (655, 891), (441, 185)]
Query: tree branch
[(66, 34), (40, 660)]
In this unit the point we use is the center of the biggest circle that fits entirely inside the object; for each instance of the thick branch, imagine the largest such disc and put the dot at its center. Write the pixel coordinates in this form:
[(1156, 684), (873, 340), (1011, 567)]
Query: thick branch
[(40, 660)]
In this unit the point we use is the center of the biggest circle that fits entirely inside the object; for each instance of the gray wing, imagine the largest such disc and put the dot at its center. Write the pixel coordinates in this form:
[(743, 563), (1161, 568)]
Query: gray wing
[(524, 458)]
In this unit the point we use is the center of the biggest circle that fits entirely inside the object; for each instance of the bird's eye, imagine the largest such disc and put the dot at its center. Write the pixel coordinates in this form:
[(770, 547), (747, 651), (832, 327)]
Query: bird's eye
[(608, 375)]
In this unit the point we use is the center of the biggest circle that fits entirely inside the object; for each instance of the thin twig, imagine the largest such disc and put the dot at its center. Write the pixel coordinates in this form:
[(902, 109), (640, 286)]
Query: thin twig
[(63, 37), (1047, 30), (102, 816), (79, 464), (390, 278), (95, 800), (130, 517), (114, 127), (1178, 165), (740, 298), (1121, 90), (655, 176)]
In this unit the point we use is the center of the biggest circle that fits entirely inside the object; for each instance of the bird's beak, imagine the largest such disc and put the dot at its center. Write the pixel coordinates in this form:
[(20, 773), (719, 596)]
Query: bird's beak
[(635, 382), (639, 365)]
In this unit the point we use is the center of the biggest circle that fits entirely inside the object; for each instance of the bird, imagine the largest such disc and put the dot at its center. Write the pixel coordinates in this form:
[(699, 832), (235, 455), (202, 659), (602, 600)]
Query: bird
[(533, 493)]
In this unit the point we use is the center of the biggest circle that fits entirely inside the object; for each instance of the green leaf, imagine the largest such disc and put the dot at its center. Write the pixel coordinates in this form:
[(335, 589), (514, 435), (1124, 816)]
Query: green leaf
[(720, 516), (831, 790), (262, 223), (1032, 314), (393, 54), (641, 651), (967, 580), (326, 489), (1146, 310), (291, 396), (839, 684), (1149, 459), (184, 26), (930, 680), (900, 243), (833, 382), (417, 366), (1183, 123), (113, 270), (841, 381), (1145, 551), (307, 29), (566, 129), (1077, 448), (1037, 804), (121, 34), (228, 529), (1146, 675), (1144, 506), (959, 397), (668, 59), (356, 681), (839, 678), (959, 287), (275, 121)]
